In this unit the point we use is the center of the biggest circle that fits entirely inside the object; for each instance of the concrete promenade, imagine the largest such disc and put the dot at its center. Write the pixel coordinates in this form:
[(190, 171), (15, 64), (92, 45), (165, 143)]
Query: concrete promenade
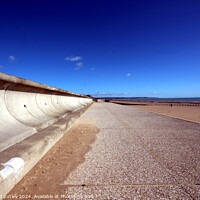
[(138, 155)]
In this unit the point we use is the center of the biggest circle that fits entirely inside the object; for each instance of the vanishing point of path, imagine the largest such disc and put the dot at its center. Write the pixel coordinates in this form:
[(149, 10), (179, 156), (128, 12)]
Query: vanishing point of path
[(136, 155)]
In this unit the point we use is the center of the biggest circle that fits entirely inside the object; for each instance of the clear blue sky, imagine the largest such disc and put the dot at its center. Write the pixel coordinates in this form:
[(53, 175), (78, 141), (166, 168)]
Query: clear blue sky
[(104, 47)]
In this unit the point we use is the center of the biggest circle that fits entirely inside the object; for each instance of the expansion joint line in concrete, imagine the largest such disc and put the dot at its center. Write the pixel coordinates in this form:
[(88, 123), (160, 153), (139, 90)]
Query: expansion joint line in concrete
[(131, 185), (37, 103), (150, 153)]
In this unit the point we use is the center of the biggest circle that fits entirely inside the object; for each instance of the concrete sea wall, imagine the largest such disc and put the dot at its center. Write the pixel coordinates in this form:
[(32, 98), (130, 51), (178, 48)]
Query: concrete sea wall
[(33, 117)]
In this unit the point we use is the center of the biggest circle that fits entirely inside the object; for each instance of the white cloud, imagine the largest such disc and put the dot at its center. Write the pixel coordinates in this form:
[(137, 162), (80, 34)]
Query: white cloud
[(154, 92), (128, 74), (1, 66), (79, 64), (12, 58), (73, 58), (76, 68), (92, 68)]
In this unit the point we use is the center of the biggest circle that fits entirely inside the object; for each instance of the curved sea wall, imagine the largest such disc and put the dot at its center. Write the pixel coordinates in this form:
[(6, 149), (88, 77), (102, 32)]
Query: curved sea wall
[(27, 108), (37, 115)]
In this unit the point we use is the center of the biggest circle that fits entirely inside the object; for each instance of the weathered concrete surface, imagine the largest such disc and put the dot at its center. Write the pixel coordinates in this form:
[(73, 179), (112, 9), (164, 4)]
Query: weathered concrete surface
[(27, 107), (33, 148), (137, 155), (17, 80), (33, 117)]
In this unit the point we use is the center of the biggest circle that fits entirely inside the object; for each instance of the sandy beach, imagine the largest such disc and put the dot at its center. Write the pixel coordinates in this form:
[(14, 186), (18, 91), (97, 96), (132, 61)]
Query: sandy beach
[(187, 111)]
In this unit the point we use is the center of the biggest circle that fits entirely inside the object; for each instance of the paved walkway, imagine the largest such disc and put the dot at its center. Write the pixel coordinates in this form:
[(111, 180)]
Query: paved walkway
[(138, 155)]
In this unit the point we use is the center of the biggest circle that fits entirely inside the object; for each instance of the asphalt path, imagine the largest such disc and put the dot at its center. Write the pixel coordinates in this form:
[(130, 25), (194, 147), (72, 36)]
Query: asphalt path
[(137, 155)]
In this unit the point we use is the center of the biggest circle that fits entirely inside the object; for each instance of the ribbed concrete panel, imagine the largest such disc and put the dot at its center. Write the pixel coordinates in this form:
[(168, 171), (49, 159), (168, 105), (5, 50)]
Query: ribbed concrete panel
[(12, 131), (58, 104), (23, 107), (27, 107), (73, 103), (44, 102), (68, 103)]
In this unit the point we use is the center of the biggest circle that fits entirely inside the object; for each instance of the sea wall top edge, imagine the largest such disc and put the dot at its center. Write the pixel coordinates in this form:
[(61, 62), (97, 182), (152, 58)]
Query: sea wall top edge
[(18, 80)]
